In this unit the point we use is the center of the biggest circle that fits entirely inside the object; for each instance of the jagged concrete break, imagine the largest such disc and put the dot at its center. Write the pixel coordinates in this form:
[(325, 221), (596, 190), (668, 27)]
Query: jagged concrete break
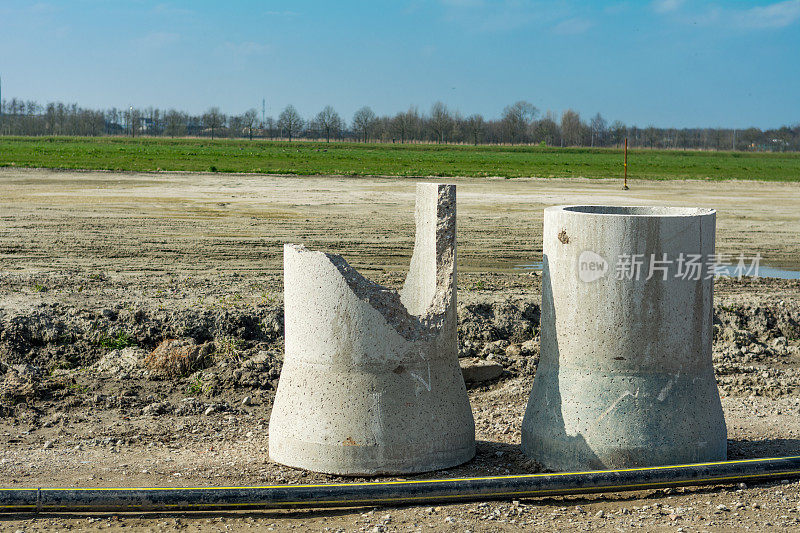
[(625, 377), (371, 382)]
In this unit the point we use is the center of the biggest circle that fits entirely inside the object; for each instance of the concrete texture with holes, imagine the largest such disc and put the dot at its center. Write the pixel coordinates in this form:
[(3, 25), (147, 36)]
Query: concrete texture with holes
[(371, 382), (625, 377)]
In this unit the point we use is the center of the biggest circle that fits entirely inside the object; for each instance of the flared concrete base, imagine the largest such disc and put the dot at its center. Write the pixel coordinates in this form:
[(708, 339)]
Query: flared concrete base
[(633, 420), (388, 436), (356, 460)]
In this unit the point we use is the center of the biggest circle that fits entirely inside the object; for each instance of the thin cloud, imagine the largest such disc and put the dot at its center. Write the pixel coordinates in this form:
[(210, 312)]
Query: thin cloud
[(778, 15), (771, 16), (246, 48), (573, 26), (500, 16), (170, 10), (157, 40), (505, 21), (615, 9), (667, 6), (43, 8), (428, 51), (463, 3), (281, 13)]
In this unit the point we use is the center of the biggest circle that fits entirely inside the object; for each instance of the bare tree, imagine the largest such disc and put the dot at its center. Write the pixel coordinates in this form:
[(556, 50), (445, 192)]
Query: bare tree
[(175, 123), (477, 127), (249, 120), (441, 121), (517, 120), (405, 125), (571, 127), (133, 117), (153, 121), (598, 125), (329, 122), (547, 130), (25, 117), (290, 121), (400, 127), (213, 119), (364, 121), (618, 132), (270, 126), (235, 126), (651, 136), (111, 118)]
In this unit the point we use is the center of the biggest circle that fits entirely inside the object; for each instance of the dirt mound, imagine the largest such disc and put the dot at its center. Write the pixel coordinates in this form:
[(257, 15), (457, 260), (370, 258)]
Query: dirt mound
[(504, 331), (215, 352), (122, 363), (20, 383), (63, 336), (757, 348)]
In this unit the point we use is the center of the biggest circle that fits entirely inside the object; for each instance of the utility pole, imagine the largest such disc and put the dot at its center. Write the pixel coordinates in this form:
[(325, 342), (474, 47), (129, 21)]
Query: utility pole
[(625, 165), (263, 112), (1, 105)]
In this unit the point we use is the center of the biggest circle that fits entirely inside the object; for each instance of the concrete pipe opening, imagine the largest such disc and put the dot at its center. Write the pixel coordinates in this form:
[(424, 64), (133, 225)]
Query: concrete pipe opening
[(625, 377), (639, 211)]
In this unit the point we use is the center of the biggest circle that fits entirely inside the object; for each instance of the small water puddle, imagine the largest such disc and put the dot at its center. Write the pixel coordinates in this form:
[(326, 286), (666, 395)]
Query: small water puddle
[(764, 271), (530, 266)]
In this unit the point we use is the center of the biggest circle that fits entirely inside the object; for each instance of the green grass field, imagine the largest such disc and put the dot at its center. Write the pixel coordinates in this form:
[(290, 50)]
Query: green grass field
[(227, 155)]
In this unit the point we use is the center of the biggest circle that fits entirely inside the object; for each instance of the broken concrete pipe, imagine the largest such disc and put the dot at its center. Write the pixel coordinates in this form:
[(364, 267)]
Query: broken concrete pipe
[(625, 377), (371, 382)]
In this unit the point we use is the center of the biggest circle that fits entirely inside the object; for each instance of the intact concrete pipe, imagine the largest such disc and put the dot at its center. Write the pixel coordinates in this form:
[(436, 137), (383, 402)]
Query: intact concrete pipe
[(371, 382), (625, 377)]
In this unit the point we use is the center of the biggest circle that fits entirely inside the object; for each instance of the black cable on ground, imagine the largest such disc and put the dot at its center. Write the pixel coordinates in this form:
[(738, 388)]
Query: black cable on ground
[(388, 493)]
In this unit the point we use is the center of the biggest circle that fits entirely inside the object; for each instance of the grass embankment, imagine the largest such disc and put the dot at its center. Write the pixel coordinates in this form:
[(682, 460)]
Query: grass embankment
[(277, 157)]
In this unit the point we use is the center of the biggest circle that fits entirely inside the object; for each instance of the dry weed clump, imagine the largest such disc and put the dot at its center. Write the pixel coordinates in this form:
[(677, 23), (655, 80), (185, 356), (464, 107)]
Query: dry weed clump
[(227, 350), (178, 357)]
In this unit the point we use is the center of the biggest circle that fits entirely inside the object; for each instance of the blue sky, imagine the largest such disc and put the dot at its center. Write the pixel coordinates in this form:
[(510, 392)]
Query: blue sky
[(667, 62)]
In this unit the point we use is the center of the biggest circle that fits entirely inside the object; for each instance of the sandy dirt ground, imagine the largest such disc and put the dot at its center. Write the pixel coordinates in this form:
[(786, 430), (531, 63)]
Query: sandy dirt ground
[(196, 223), (96, 269)]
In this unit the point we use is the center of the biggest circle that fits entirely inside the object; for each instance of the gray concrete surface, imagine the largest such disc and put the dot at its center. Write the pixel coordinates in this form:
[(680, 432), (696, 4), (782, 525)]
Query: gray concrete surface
[(371, 382), (625, 377)]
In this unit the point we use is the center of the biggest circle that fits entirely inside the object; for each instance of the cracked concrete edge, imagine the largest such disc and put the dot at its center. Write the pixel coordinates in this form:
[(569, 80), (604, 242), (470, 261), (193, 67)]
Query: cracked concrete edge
[(384, 300), (429, 290), (426, 303)]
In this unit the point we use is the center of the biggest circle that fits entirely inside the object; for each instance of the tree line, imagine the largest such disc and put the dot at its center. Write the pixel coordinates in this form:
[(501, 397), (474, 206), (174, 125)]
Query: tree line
[(521, 123)]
